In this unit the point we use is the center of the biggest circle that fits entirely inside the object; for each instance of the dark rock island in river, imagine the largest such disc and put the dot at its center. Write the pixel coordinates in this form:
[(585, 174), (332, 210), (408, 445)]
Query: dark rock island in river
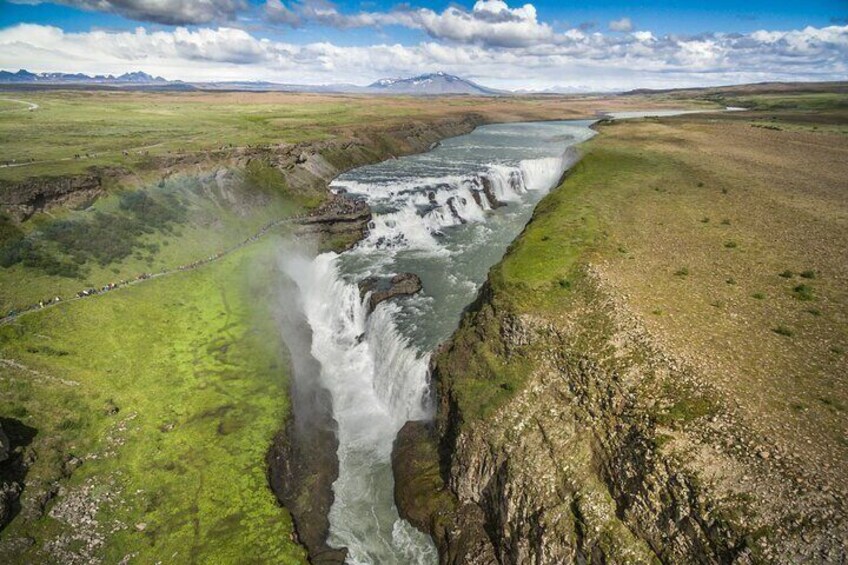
[(403, 284)]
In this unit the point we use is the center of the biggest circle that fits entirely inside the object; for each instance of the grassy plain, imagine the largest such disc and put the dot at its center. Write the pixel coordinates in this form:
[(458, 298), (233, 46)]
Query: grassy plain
[(103, 125)]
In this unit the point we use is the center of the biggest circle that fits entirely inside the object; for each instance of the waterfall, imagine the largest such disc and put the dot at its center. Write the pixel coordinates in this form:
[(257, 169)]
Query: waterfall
[(448, 216), (377, 382), (421, 212)]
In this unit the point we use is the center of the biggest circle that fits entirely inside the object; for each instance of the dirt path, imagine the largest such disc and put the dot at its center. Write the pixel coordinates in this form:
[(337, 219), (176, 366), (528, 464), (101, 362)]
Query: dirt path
[(31, 106)]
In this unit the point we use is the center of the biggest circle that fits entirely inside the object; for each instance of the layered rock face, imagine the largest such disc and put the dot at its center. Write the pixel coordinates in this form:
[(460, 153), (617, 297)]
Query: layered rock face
[(22, 200), (610, 451)]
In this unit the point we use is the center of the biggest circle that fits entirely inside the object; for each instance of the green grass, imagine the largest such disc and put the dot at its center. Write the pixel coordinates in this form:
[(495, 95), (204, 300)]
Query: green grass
[(564, 226), (200, 385), (686, 409), (796, 101), (568, 226), (104, 125), (101, 126), (803, 292)]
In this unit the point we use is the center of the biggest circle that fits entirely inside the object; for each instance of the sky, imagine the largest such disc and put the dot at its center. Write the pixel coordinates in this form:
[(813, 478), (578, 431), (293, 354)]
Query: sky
[(538, 45)]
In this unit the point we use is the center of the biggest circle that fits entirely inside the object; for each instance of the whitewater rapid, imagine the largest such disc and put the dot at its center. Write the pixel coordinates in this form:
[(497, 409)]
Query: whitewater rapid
[(448, 216)]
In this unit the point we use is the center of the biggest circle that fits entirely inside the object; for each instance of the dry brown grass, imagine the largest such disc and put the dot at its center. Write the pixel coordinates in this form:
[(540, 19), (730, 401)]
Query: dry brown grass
[(773, 344)]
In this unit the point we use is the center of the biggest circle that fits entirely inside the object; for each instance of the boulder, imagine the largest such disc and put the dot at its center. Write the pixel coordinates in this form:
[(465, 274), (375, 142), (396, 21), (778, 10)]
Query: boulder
[(382, 289)]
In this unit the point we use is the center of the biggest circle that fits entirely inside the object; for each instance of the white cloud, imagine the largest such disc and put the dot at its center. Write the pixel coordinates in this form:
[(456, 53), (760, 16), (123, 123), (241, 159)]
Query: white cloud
[(617, 61), (644, 36), (624, 24), (489, 22)]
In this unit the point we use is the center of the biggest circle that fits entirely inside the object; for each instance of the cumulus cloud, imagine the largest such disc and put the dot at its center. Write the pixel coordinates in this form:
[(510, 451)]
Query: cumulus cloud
[(169, 12), (488, 22), (624, 24), (615, 61)]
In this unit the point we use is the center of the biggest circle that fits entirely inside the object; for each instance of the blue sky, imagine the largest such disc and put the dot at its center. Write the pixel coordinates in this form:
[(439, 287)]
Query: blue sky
[(660, 16), (536, 44)]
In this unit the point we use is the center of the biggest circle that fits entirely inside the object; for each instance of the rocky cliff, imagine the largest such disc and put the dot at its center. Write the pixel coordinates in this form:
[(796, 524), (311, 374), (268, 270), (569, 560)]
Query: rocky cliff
[(567, 433), (608, 452)]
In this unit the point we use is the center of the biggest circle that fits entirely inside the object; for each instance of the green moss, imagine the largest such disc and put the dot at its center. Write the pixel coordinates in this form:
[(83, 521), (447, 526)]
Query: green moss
[(685, 410), (263, 177), (481, 377), (170, 390)]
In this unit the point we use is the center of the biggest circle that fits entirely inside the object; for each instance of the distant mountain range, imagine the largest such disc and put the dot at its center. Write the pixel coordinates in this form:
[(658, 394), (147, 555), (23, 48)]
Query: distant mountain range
[(431, 84), (26, 77)]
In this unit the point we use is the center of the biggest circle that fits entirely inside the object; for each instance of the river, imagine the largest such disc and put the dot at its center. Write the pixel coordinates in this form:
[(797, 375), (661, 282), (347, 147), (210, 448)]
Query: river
[(447, 215)]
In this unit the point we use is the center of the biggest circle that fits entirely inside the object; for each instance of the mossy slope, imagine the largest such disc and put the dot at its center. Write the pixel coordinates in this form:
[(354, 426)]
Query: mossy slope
[(170, 393)]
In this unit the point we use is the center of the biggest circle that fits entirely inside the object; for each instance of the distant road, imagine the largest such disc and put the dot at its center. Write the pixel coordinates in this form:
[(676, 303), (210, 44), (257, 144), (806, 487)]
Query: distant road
[(31, 106)]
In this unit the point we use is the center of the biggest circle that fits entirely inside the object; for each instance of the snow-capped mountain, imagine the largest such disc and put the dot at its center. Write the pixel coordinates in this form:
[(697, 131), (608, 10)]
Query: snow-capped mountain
[(431, 83)]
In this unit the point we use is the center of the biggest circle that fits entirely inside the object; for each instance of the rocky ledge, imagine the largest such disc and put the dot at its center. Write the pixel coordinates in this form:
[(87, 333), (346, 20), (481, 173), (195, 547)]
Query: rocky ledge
[(338, 219), (22, 200)]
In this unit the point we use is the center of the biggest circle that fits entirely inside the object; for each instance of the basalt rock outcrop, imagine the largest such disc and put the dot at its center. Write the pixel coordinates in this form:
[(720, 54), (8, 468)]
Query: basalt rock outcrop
[(338, 217), (23, 199), (402, 284), (5, 446), (302, 467)]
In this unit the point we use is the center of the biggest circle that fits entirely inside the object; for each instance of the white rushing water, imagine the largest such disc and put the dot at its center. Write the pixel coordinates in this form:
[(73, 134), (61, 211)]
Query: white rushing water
[(448, 216)]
